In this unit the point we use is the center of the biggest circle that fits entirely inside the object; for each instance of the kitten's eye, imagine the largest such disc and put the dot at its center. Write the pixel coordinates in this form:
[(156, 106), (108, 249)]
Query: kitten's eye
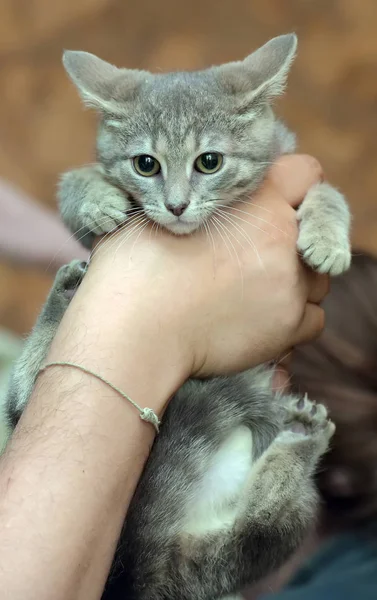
[(146, 165), (209, 162)]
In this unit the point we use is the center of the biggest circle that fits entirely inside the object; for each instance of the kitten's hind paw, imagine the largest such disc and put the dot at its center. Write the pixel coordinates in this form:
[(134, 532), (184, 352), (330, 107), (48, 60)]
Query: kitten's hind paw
[(69, 277), (67, 280), (306, 420)]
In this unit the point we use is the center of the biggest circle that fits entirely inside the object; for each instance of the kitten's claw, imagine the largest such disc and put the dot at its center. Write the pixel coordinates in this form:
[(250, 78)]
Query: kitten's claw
[(306, 420), (322, 252)]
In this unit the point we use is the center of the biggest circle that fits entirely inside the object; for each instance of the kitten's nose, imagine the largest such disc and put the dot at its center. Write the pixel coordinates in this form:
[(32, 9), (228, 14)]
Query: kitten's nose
[(177, 209)]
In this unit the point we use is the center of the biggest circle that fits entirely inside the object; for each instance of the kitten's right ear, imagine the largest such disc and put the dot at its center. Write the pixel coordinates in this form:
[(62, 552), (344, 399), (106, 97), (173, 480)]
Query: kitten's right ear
[(101, 85)]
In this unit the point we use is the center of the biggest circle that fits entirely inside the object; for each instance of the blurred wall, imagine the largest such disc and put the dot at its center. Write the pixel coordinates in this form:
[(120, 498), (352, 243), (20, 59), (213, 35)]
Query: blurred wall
[(331, 100)]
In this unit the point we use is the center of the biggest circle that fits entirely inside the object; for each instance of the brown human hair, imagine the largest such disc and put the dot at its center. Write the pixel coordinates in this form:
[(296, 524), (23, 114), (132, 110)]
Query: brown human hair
[(340, 370)]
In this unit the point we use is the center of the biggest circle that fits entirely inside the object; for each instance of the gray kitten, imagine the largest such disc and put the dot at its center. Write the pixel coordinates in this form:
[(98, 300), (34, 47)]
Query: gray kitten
[(227, 492)]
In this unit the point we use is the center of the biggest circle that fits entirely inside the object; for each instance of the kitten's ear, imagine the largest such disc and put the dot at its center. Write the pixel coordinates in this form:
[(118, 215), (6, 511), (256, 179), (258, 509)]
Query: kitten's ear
[(263, 74), (270, 64), (100, 84)]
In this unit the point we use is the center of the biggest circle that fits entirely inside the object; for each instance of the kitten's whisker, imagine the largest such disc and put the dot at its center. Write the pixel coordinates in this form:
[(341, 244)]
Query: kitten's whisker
[(73, 235), (105, 243), (150, 232), (254, 216), (239, 201), (157, 229), (116, 228), (260, 229), (106, 239), (129, 233), (247, 222), (283, 387), (286, 355), (139, 234), (251, 202), (241, 230), (227, 231), (106, 219), (102, 222), (214, 222), (131, 221), (271, 164), (221, 216), (211, 238)]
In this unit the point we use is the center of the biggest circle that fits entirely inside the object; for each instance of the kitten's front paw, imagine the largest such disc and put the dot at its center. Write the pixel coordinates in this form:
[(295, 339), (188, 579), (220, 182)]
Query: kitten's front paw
[(324, 230), (322, 251), (68, 278), (105, 210), (88, 201)]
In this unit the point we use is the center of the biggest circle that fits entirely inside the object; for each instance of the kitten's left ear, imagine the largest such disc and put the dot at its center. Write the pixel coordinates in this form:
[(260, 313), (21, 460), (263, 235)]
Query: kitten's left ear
[(101, 85), (263, 74)]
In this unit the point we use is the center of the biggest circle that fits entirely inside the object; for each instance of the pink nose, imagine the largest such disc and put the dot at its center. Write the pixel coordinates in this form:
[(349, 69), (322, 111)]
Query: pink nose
[(178, 209)]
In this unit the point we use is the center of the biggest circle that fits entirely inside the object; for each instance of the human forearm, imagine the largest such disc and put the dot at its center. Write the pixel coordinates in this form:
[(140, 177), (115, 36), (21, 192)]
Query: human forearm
[(96, 446), (32, 235)]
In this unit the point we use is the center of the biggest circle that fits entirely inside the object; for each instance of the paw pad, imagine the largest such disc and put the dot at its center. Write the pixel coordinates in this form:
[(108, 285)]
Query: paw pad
[(306, 418), (69, 278)]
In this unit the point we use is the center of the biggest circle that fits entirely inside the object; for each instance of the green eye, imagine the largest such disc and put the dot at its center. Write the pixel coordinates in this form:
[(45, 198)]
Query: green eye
[(209, 162), (146, 165)]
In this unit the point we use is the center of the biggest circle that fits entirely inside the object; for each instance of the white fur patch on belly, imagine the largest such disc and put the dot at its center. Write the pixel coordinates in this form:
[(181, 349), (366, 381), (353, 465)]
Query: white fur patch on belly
[(214, 504)]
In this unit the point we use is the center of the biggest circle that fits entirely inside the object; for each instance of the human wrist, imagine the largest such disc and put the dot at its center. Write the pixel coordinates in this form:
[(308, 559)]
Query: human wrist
[(113, 328)]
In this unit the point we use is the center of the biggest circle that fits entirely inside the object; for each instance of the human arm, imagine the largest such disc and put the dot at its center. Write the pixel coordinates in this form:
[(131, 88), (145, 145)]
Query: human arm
[(32, 235), (146, 317)]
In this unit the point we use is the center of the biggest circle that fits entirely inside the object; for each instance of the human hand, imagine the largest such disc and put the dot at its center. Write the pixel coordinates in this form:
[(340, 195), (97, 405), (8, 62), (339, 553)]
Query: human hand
[(226, 301)]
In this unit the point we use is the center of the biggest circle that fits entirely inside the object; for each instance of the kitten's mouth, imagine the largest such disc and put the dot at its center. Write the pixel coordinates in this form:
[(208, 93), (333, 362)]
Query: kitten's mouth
[(179, 227)]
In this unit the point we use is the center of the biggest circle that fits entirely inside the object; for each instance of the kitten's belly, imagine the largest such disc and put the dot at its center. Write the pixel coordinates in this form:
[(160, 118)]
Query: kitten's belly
[(214, 505)]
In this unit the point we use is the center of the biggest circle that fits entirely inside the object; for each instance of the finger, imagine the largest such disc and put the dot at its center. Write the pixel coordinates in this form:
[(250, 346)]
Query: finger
[(318, 286), (293, 175), (311, 325)]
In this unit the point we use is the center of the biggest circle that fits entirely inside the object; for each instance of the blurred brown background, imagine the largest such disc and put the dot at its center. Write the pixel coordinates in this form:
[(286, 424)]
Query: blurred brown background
[(331, 101)]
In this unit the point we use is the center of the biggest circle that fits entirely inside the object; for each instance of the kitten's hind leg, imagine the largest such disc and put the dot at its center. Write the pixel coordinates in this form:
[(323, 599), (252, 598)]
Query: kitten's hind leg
[(276, 507), (324, 232), (280, 500), (36, 347)]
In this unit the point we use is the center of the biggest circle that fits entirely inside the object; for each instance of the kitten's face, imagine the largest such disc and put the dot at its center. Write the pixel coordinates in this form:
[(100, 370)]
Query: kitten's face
[(185, 145), (184, 155)]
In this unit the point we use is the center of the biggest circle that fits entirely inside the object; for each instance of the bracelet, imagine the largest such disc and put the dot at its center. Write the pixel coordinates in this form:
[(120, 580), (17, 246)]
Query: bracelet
[(146, 414)]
